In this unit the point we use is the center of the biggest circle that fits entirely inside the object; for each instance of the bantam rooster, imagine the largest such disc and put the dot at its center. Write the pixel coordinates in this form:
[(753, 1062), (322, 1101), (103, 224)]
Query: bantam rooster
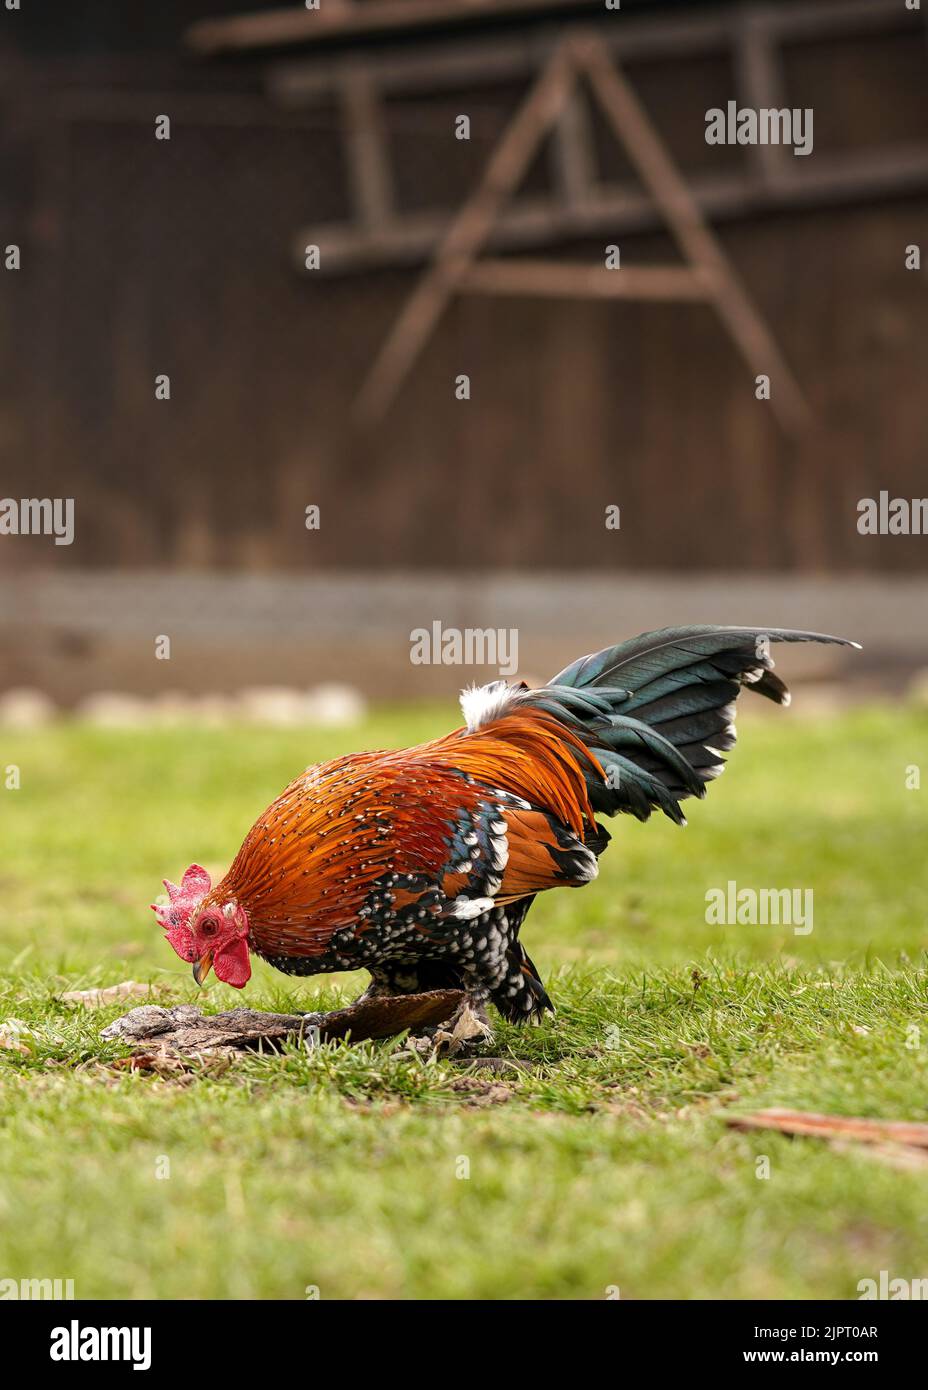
[(420, 865)]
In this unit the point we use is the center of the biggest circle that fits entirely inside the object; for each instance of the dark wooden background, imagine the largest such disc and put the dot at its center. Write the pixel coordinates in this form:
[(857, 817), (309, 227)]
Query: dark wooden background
[(143, 257)]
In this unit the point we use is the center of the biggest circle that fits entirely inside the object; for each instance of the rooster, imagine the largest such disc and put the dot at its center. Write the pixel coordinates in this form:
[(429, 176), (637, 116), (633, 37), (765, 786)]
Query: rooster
[(420, 865)]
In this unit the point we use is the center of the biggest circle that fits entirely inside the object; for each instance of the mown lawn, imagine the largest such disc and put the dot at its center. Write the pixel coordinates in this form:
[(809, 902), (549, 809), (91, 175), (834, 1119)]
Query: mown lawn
[(600, 1162)]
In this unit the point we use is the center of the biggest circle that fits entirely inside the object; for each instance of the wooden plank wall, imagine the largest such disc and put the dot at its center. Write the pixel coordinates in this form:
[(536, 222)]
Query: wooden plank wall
[(146, 257)]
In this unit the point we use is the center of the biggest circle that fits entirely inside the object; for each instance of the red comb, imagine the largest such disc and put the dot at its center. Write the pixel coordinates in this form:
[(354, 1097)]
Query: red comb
[(175, 914)]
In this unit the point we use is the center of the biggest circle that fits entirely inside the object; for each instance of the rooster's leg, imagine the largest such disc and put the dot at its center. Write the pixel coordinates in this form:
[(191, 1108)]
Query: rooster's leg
[(464, 1030), (390, 978)]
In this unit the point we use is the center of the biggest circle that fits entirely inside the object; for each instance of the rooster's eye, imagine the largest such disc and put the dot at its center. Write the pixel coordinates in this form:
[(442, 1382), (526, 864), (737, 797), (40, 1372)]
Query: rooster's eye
[(208, 929)]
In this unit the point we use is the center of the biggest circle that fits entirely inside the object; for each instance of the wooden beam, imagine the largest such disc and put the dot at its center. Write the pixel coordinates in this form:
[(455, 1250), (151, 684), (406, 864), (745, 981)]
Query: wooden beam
[(434, 66), (800, 20), (368, 154), (276, 28), (573, 152), (634, 36), (618, 210), (431, 67), (692, 233), (760, 82), (560, 279), (465, 236)]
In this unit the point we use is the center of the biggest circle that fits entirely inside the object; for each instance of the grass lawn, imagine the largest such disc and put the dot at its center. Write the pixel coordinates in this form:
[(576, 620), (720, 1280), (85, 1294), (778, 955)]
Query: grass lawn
[(364, 1173)]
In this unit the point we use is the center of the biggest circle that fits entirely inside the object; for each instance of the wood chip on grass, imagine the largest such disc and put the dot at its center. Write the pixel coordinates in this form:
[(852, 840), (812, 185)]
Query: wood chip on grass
[(903, 1141)]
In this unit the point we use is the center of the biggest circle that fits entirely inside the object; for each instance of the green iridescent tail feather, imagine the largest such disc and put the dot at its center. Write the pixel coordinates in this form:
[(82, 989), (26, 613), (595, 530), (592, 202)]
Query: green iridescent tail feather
[(657, 712)]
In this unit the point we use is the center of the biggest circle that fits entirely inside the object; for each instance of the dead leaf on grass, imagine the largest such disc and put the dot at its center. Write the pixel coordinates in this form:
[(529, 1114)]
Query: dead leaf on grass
[(14, 1035)]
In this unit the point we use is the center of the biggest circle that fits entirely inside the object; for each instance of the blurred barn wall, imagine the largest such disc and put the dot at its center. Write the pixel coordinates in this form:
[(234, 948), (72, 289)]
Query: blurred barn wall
[(144, 257)]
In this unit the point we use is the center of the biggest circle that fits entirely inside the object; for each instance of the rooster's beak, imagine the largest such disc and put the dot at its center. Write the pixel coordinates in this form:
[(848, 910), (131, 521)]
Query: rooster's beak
[(202, 968)]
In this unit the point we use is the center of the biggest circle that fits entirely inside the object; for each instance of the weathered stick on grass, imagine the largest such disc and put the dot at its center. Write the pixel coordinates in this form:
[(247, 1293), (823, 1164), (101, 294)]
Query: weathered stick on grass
[(185, 1029), (809, 1124)]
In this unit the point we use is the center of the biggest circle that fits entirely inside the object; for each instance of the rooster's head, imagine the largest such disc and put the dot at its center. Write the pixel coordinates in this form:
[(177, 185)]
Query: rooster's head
[(205, 932)]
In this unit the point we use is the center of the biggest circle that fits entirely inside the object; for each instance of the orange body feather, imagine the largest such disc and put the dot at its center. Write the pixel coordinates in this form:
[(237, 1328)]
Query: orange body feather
[(305, 867)]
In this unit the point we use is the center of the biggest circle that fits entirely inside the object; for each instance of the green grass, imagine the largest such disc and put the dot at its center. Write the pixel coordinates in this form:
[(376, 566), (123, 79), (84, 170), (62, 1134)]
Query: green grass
[(600, 1160)]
